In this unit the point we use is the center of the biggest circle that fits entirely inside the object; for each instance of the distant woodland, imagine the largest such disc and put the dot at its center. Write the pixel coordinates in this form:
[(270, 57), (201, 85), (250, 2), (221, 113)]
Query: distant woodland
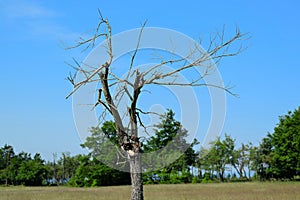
[(277, 157)]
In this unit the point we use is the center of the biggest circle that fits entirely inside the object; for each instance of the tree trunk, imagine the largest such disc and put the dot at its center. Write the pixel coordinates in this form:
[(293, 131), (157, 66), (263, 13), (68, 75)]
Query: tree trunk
[(221, 174), (136, 177), (6, 178)]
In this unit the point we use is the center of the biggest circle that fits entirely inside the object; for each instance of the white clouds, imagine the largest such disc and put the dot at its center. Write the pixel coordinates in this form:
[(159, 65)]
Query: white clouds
[(54, 30), (34, 20), (23, 9)]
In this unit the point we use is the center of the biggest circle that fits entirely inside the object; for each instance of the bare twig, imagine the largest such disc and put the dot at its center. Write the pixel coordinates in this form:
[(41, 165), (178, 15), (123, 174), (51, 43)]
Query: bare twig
[(133, 83), (136, 49)]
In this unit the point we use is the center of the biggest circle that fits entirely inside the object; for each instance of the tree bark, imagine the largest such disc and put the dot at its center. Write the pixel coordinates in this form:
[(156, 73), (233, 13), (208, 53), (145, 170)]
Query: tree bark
[(136, 177)]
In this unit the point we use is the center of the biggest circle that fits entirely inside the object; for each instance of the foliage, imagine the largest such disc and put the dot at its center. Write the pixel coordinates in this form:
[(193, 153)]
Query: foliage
[(91, 172), (170, 137), (276, 157), (281, 149), (32, 172), (21, 168), (244, 159), (220, 154)]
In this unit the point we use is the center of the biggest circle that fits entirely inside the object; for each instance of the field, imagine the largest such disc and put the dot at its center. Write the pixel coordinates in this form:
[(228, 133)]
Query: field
[(230, 191)]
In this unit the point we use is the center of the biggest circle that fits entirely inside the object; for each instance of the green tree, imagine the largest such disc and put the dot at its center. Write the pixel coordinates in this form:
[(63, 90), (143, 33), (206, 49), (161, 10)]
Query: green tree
[(91, 172), (32, 172), (285, 155), (221, 154), (202, 162), (171, 130), (103, 146), (6, 155), (254, 161), (217, 157), (264, 158), (61, 171), (165, 132), (15, 164), (81, 177), (68, 165), (242, 160)]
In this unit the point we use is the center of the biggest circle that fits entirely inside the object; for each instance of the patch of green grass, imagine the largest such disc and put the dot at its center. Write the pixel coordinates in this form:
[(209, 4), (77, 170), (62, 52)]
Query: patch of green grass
[(232, 191)]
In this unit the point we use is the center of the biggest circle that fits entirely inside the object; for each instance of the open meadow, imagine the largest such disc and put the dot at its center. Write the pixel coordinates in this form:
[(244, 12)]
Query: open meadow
[(232, 191)]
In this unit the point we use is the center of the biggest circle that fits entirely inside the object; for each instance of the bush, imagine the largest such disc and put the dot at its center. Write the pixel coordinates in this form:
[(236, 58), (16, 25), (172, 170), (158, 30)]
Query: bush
[(196, 180)]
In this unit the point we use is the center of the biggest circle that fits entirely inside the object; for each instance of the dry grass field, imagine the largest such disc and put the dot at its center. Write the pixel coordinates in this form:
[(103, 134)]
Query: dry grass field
[(228, 191)]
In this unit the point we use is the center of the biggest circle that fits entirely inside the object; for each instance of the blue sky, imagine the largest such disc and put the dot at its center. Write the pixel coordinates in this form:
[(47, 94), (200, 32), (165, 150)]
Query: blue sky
[(34, 115)]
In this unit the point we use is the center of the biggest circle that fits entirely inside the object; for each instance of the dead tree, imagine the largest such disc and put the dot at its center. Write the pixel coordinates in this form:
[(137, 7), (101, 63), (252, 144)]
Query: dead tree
[(132, 84)]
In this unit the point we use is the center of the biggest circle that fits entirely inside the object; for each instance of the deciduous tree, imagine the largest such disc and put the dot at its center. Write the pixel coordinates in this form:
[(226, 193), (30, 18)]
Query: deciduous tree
[(133, 83), (168, 130), (285, 160)]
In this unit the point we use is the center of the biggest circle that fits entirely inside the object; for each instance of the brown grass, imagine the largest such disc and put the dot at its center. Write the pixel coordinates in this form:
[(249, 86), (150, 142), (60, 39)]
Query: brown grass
[(228, 191)]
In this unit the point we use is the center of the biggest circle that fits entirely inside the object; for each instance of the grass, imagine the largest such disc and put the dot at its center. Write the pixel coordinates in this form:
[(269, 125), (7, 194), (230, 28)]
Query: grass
[(228, 191)]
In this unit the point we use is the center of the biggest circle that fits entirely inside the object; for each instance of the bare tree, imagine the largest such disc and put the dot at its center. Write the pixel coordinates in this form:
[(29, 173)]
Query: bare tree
[(135, 80)]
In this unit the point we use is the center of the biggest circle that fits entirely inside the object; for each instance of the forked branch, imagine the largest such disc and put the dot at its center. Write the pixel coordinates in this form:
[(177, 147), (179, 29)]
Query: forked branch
[(133, 82)]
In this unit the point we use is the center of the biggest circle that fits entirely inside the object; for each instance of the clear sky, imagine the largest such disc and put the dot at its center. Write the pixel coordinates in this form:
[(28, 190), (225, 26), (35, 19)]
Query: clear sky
[(34, 115)]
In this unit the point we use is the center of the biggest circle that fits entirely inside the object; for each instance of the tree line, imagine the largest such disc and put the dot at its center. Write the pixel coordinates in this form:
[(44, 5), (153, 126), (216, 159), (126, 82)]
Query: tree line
[(277, 157)]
